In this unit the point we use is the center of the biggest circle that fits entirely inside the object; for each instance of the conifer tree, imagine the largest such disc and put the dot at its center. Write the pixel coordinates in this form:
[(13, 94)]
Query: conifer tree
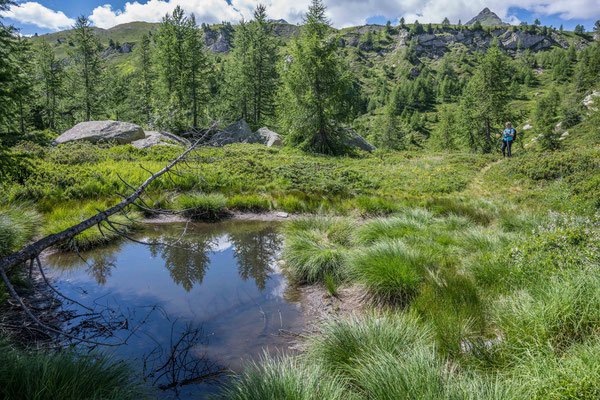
[(196, 68), (87, 66), (484, 105), (544, 116), (315, 91), (50, 81), (145, 76), (23, 83)]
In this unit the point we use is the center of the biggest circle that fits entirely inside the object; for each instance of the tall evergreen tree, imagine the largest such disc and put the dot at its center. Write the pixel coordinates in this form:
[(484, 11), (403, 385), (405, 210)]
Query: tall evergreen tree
[(8, 69), (196, 68), (50, 81), (23, 82), (484, 104), (315, 87), (87, 66), (182, 65), (145, 76)]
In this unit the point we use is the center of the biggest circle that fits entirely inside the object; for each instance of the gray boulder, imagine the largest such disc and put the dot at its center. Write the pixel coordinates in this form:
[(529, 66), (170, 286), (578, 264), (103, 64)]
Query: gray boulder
[(269, 138), (353, 139), (102, 131), (239, 132), (154, 138)]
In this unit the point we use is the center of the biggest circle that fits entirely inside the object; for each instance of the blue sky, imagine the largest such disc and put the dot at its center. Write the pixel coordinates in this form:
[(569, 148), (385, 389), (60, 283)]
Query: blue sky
[(43, 16)]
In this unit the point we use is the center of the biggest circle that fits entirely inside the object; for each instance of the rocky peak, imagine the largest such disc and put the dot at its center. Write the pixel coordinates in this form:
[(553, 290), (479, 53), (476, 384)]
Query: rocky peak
[(487, 18)]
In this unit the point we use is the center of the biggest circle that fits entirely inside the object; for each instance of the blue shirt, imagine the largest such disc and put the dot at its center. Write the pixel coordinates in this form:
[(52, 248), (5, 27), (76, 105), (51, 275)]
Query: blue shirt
[(507, 132)]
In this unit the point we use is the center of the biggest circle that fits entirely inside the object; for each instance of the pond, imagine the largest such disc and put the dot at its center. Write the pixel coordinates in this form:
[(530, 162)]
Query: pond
[(209, 297)]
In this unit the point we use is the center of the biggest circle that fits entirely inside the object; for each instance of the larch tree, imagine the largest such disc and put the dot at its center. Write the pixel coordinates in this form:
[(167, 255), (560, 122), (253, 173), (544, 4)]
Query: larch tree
[(196, 68), (316, 82), (484, 104), (50, 80), (252, 71), (146, 76), (86, 71)]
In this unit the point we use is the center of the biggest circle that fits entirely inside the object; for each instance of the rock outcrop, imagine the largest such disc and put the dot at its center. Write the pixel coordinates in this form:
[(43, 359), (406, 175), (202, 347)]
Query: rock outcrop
[(353, 139), (155, 138), (102, 131), (240, 132), (590, 100), (269, 138)]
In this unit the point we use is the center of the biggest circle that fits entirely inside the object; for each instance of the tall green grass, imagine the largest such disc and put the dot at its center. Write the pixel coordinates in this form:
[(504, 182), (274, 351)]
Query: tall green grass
[(65, 376), (203, 207), (285, 378), (342, 343), (17, 227), (391, 270), (550, 317), (318, 247), (72, 213)]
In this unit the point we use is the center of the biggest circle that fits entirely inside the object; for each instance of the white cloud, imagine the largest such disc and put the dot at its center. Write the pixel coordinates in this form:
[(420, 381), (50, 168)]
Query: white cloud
[(36, 14), (342, 13), (209, 11)]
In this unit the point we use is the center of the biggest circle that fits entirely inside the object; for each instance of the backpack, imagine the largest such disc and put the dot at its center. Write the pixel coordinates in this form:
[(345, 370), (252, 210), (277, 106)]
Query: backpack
[(514, 134)]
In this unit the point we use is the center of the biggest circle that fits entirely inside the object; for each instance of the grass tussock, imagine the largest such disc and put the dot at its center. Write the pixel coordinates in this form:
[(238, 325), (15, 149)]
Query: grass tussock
[(17, 227), (342, 343), (391, 270), (65, 376), (284, 378), (203, 207), (316, 247)]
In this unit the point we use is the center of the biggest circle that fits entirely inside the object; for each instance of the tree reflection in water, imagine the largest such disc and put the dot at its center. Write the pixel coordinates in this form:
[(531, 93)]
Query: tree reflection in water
[(255, 247)]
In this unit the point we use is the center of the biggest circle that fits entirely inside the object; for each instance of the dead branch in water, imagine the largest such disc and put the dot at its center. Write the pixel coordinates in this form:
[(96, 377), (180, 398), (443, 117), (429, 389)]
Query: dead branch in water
[(101, 220)]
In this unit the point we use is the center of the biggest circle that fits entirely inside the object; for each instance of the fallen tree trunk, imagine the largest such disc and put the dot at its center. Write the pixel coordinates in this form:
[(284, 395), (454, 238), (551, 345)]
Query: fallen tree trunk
[(35, 249)]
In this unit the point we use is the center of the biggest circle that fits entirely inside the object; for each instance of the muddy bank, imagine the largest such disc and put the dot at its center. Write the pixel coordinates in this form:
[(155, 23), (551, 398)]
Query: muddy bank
[(270, 216), (319, 306)]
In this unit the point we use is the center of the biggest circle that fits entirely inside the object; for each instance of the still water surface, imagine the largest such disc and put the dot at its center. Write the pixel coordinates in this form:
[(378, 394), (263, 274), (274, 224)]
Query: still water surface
[(210, 299)]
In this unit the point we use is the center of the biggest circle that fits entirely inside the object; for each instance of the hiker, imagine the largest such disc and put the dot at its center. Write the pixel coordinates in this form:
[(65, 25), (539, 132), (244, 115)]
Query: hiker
[(508, 136)]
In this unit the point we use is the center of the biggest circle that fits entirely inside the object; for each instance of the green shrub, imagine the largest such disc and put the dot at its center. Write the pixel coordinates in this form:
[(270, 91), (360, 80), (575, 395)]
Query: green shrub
[(65, 375), (564, 244), (391, 270), (284, 378), (343, 343), (203, 207), (316, 247)]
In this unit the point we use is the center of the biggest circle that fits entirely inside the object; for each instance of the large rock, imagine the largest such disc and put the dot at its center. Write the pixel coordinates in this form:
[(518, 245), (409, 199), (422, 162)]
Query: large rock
[(353, 139), (102, 131), (239, 132), (269, 138), (590, 101), (154, 138)]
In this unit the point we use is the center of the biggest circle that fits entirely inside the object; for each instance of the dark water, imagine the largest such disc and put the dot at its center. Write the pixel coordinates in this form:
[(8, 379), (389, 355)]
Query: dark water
[(211, 299)]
